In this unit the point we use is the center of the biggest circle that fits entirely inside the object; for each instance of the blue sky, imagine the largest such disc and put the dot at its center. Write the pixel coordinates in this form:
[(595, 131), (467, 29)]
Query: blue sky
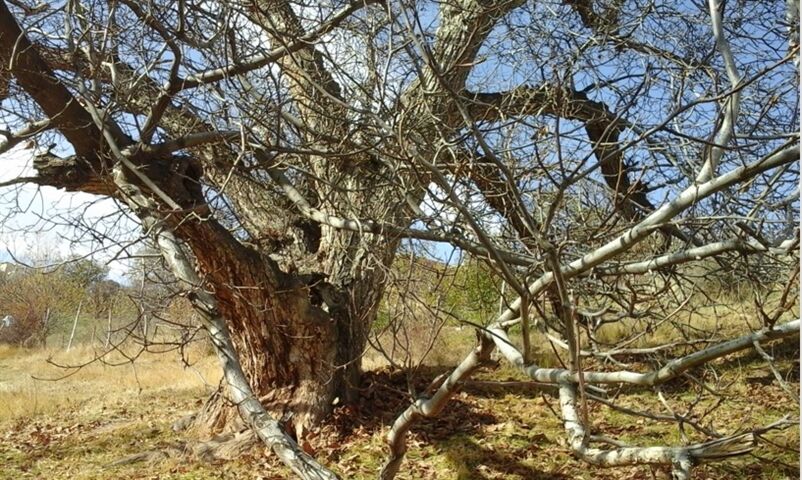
[(34, 221), (27, 231)]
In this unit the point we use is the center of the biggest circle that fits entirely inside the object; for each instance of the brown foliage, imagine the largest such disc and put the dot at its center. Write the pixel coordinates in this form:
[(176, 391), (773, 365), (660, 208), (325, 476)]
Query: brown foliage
[(35, 299)]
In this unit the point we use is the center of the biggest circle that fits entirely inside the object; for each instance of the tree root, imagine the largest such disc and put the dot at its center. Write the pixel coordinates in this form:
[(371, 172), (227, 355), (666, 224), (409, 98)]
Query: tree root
[(150, 456), (224, 447), (184, 423), (221, 447)]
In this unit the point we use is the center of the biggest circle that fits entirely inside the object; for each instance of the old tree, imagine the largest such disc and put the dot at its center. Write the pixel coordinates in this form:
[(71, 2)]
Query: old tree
[(604, 158)]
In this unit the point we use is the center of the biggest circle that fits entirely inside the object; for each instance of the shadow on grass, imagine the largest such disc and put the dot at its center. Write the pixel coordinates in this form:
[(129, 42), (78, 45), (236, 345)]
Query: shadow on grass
[(455, 432), (474, 461), (385, 394)]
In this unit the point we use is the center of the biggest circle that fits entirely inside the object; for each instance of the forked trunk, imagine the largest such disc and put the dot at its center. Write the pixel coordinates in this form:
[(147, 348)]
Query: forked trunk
[(300, 337)]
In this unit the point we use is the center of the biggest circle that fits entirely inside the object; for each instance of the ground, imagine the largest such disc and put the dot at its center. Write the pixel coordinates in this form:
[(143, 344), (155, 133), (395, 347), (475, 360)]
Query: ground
[(82, 426)]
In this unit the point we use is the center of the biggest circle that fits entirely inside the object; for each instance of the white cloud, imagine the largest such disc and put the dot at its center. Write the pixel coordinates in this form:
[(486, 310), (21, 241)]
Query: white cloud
[(48, 223)]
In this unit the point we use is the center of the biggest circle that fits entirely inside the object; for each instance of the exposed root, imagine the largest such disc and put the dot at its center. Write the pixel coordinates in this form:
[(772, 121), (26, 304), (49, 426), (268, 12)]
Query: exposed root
[(184, 423), (221, 447), (149, 456), (216, 416), (224, 447), (222, 439)]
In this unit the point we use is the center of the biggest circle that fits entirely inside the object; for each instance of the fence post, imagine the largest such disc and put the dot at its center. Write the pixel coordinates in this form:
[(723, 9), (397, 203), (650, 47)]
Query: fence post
[(74, 324), (108, 331)]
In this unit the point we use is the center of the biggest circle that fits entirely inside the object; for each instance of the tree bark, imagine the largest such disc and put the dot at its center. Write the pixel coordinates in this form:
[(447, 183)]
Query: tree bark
[(299, 337)]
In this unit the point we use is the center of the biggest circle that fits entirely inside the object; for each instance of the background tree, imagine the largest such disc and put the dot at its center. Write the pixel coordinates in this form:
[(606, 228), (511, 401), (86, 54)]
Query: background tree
[(41, 301), (277, 153), (85, 272), (102, 295)]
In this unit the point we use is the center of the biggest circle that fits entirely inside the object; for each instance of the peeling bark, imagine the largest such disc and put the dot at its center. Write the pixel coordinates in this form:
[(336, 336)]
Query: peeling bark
[(211, 309)]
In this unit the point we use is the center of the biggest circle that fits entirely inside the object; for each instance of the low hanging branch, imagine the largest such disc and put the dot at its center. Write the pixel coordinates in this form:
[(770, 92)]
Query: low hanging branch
[(427, 407), (268, 429), (680, 457), (668, 372)]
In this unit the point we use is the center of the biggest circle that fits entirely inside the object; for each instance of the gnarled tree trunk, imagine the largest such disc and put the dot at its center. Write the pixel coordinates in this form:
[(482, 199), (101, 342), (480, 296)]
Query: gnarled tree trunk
[(300, 335), (301, 343)]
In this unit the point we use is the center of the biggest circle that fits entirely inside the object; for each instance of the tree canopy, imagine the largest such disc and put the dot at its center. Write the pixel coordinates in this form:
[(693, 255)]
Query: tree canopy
[(279, 154)]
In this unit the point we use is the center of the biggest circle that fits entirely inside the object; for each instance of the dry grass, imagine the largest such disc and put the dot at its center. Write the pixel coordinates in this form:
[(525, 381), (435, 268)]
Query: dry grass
[(31, 383), (77, 427), (420, 346)]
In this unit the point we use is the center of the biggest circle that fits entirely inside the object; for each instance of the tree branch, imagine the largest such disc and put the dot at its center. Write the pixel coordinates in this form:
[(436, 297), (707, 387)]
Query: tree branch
[(660, 216), (732, 104), (15, 138), (602, 126), (680, 458), (427, 407), (667, 372), (20, 59)]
